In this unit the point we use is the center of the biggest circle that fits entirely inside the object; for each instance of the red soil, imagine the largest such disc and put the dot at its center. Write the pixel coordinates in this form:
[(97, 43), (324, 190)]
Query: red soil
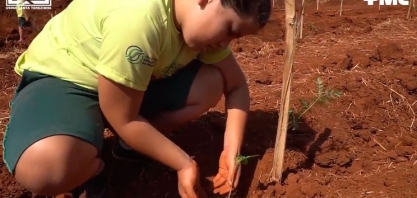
[(363, 144)]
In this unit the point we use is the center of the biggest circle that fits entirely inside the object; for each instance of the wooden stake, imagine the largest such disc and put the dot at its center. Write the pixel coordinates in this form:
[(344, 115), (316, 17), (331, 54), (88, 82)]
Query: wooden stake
[(317, 4), (280, 140), (410, 7), (302, 20), (341, 7)]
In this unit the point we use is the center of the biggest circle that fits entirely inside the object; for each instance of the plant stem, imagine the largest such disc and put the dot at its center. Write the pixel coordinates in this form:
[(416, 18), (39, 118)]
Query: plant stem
[(309, 107), (231, 188)]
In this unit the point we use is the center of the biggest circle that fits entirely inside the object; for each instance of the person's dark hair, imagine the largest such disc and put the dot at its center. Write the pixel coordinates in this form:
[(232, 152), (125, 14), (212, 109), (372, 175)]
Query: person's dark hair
[(261, 9)]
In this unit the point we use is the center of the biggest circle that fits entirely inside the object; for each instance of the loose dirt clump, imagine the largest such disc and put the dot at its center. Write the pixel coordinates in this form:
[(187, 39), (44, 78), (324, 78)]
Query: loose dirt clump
[(407, 79), (388, 52)]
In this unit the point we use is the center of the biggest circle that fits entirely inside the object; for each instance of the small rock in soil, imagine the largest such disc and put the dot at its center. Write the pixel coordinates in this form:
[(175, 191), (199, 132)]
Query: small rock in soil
[(340, 158), (407, 141), (292, 179), (371, 144), (264, 82), (405, 151), (392, 154), (388, 52), (365, 135), (401, 159), (279, 189), (293, 191), (270, 191), (388, 182), (346, 63), (356, 167), (309, 190), (393, 140)]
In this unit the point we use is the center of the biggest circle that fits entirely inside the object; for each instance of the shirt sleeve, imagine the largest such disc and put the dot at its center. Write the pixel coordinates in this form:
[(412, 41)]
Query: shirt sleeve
[(130, 47), (214, 57)]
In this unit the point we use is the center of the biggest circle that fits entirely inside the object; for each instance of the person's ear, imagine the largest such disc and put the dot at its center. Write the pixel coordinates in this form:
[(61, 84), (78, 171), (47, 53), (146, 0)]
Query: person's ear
[(203, 3)]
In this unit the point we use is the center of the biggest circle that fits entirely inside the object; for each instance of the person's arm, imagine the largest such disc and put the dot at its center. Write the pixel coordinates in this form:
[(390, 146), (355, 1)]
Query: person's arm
[(128, 53), (120, 105), (25, 14), (237, 102), (236, 94)]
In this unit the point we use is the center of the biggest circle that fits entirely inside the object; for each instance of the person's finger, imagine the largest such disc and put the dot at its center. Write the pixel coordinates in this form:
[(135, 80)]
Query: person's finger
[(220, 178), (182, 192), (189, 191), (237, 177), (222, 189), (200, 192), (232, 173), (220, 181), (217, 178), (225, 190)]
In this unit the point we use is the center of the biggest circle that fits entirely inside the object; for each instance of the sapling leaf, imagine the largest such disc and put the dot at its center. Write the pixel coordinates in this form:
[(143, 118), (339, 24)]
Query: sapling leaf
[(244, 159), (320, 86), (304, 103), (323, 96)]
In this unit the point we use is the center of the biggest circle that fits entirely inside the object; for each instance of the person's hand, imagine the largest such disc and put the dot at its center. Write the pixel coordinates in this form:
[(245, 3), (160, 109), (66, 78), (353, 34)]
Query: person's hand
[(189, 182), (229, 173)]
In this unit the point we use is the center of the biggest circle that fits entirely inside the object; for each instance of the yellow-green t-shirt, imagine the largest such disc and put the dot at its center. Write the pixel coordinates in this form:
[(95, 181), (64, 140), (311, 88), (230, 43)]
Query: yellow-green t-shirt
[(127, 41), (19, 8)]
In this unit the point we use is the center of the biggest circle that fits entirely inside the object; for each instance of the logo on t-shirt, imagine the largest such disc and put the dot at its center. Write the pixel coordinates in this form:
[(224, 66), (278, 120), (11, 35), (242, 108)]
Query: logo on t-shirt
[(135, 56), (171, 69)]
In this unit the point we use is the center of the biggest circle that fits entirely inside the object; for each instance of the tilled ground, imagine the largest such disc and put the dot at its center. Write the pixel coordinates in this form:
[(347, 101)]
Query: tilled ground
[(362, 144)]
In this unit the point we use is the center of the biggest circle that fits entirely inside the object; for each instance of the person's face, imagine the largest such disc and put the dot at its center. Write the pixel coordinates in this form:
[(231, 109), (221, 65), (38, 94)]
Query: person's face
[(210, 26)]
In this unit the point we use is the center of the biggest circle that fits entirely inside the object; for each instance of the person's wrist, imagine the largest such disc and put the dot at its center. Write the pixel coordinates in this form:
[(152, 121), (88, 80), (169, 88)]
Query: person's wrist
[(232, 148), (231, 141), (186, 163)]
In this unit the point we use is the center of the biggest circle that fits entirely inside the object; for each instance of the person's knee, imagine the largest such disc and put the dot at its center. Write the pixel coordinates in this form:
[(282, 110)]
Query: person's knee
[(57, 164), (208, 87)]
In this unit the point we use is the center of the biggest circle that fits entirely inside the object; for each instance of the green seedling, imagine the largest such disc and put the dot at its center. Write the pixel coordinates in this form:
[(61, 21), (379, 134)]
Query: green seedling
[(244, 159), (324, 96), (241, 159)]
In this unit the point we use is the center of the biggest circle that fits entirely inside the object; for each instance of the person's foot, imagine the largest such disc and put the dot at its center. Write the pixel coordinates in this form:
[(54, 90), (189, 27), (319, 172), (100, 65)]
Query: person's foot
[(95, 187), (65, 195), (75, 193)]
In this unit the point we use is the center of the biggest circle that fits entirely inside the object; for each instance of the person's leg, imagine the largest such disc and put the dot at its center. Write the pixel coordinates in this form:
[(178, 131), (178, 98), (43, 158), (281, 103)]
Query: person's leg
[(20, 34), (54, 136), (171, 102), (21, 21), (188, 94)]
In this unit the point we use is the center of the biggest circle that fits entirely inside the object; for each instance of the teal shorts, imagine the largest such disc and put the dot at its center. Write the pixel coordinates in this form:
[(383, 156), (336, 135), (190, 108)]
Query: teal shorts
[(44, 106), (23, 22)]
